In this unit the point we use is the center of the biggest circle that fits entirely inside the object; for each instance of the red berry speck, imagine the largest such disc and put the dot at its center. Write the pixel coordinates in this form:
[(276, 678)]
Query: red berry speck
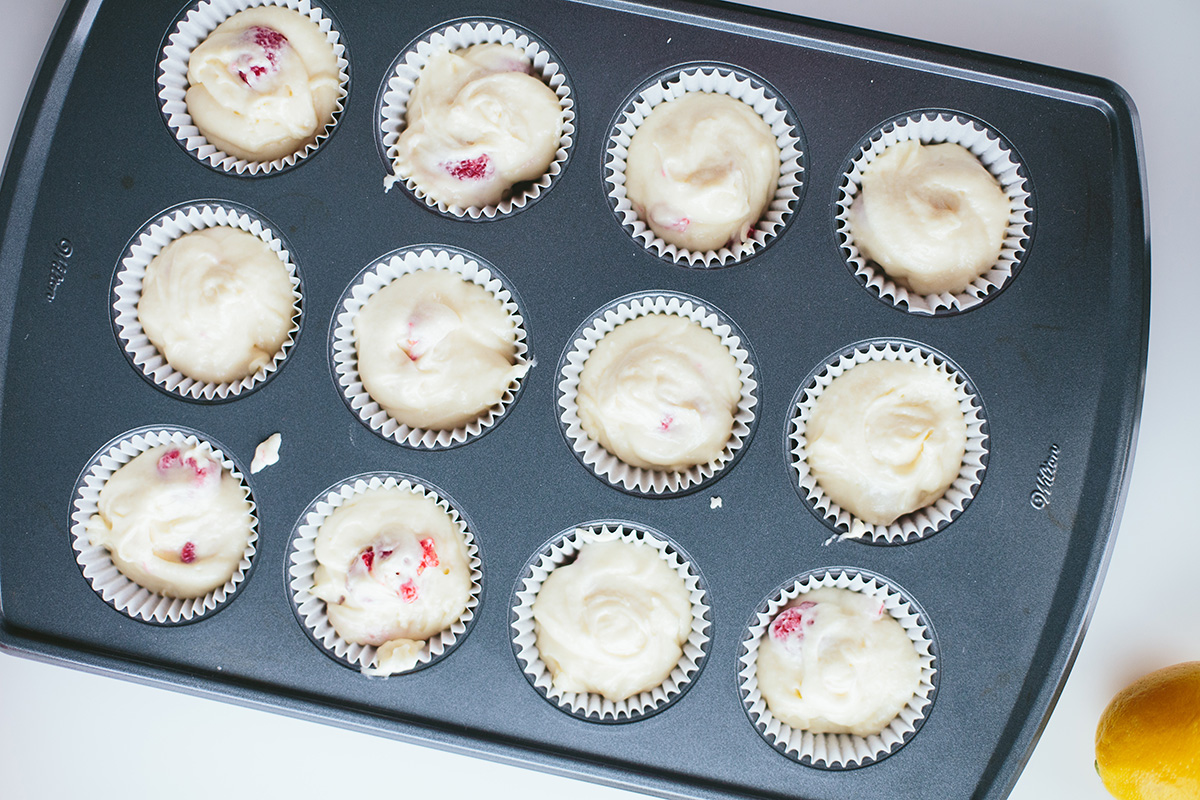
[(429, 556), (249, 66), (791, 622), (168, 460), (269, 39), (256, 71), (786, 624), (408, 591), (188, 554), (666, 423), (412, 345), (513, 65), (201, 468), (471, 169), (368, 558)]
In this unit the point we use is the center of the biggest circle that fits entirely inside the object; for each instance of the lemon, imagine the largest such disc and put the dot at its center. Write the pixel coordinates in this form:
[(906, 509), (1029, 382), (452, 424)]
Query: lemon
[(1148, 739)]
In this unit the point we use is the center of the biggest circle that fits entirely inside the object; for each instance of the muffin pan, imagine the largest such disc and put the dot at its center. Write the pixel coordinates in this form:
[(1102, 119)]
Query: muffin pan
[(1056, 358)]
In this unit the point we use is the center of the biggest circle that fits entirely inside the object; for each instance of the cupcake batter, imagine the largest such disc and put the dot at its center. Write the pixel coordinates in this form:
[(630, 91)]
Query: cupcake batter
[(613, 621), (173, 521), (217, 303), (435, 350), (263, 84), (660, 392), (886, 438), (393, 571), (834, 661), (701, 170), (477, 123), (930, 215)]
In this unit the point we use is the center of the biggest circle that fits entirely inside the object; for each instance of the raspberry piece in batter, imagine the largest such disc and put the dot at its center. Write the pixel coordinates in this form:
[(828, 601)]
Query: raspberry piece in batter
[(408, 591), (429, 556), (261, 58), (790, 624), (472, 169)]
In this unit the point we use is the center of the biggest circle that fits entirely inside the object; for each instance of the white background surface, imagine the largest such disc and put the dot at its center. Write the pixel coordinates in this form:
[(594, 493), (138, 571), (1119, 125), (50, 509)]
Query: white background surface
[(121, 740)]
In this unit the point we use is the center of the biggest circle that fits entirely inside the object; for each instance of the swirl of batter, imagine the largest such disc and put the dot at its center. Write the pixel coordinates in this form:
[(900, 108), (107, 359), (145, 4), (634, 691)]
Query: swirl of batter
[(886, 438), (834, 661), (613, 621), (701, 170), (435, 350), (930, 215), (393, 570), (477, 123), (173, 521), (217, 303), (263, 84), (660, 392)]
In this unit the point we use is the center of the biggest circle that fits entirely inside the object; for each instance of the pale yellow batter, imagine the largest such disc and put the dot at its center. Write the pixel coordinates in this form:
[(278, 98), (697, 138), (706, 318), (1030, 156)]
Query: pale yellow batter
[(477, 123), (173, 521), (930, 215), (613, 621), (435, 350), (834, 661), (701, 170), (263, 84), (217, 303), (660, 392), (393, 570), (886, 438)]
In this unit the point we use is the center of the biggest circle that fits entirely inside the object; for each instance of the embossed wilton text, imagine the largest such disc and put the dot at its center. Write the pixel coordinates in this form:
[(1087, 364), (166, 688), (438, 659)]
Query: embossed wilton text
[(1039, 498), (58, 268)]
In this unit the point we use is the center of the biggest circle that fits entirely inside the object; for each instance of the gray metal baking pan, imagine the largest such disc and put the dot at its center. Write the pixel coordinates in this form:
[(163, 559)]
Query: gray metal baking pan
[(1058, 358)]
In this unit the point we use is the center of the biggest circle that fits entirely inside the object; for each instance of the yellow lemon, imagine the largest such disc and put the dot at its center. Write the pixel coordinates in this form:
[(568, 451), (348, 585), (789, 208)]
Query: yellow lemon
[(1148, 739)]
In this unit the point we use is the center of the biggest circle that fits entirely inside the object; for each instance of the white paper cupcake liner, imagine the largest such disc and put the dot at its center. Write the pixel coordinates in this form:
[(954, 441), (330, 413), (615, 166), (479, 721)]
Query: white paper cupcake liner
[(193, 27), (1000, 159), (344, 352), (605, 465), (718, 79), (590, 706), (94, 560), (916, 524), (127, 291), (841, 750), (311, 611), (392, 106)]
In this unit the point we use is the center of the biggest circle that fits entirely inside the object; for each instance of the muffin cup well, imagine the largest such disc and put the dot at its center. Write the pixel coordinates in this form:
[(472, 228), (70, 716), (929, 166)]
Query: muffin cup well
[(344, 352), (391, 107), (301, 566), (126, 291), (589, 706), (841, 750), (97, 565), (916, 524), (715, 78), (190, 28), (606, 466), (1000, 159)]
